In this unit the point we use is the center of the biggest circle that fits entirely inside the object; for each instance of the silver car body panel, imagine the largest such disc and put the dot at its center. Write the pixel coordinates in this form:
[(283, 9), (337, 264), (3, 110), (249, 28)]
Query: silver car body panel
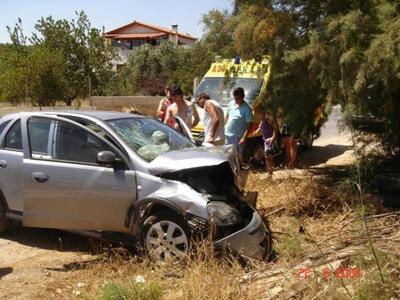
[(192, 158), (173, 192), (11, 178), (77, 196), (247, 241)]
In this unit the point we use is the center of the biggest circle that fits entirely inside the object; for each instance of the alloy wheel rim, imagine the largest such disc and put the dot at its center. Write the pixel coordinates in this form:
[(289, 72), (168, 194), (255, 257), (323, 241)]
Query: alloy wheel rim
[(166, 240)]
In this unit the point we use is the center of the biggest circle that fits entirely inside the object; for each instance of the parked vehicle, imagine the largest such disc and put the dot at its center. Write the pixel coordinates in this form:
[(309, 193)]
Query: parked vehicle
[(123, 177), (253, 76)]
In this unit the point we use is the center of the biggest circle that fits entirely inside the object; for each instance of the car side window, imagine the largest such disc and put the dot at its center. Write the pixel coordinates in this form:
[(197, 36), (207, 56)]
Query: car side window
[(3, 126), (39, 131), (76, 144), (13, 139)]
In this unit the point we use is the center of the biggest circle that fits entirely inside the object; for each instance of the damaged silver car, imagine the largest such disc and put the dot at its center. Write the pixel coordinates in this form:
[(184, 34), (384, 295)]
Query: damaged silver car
[(125, 178)]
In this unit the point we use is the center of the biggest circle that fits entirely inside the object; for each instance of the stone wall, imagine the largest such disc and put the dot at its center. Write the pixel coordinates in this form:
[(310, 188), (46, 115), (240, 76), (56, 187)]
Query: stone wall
[(146, 105)]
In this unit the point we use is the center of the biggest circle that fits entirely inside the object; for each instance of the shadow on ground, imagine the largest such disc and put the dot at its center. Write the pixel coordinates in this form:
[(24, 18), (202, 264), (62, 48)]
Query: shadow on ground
[(321, 154), (5, 271), (49, 239)]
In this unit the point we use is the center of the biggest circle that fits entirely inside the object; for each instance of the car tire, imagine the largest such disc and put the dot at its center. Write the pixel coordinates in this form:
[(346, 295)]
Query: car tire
[(5, 223), (166, 236)]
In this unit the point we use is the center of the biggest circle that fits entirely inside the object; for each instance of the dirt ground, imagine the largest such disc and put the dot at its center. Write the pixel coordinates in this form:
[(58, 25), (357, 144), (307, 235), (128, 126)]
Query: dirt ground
[(31, 259)]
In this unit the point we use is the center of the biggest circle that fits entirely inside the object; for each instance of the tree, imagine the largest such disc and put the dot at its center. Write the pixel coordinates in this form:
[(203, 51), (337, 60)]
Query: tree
[(218, 32), (64, 61), (150, 69), (47, 76), (13, 66), (84, 50)]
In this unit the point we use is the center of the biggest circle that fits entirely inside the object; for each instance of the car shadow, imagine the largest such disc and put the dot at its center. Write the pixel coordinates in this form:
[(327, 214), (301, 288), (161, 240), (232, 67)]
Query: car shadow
[(320, 154), (49, 239), (5, 271)]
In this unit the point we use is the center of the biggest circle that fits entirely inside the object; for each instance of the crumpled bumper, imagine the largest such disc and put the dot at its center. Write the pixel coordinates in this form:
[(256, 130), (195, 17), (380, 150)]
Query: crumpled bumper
[(250, 241)]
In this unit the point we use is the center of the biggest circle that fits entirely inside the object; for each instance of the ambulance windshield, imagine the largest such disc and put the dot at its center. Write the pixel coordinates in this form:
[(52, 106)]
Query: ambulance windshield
[(220, 88)]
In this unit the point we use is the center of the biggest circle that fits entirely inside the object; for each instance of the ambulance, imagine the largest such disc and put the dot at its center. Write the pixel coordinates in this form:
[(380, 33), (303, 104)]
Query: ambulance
[(221, 79)]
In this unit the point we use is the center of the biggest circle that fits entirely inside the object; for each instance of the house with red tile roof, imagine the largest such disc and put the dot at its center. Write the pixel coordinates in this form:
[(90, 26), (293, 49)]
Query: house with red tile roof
[(130, 36)]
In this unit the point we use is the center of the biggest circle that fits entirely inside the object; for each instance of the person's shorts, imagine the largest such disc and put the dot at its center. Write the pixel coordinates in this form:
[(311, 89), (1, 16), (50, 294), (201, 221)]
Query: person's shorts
[(273, 149), (234, 140)]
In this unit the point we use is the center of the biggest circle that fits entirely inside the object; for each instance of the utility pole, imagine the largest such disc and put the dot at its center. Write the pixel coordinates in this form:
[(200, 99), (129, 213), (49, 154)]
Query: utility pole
[(26, 90), (90, 91)]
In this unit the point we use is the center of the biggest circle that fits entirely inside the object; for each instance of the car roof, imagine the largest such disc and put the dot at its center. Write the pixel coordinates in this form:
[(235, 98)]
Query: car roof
[(98, 114)]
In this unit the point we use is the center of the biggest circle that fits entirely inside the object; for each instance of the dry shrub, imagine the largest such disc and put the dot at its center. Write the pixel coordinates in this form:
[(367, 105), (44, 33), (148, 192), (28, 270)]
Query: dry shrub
[(131, 110), (302, 195)]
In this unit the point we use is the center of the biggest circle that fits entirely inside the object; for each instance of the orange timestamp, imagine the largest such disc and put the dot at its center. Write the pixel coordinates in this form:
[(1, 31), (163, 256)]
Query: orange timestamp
[(339, 273)]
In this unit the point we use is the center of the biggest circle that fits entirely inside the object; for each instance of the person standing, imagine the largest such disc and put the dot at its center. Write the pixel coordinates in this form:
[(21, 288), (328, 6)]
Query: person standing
[(213, 119), (290, 139), (239, 119), (181, 108), (269, 129), (164, 103)]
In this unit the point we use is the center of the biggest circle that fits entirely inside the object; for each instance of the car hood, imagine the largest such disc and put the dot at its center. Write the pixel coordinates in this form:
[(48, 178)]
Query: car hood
[(191, 158)]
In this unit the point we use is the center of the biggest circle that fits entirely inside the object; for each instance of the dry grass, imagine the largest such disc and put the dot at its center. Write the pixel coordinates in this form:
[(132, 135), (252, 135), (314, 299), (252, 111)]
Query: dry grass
[(202, 276)]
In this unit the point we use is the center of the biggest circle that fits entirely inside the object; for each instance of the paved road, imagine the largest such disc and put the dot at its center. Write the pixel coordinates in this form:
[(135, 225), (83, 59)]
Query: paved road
[(334, 145)]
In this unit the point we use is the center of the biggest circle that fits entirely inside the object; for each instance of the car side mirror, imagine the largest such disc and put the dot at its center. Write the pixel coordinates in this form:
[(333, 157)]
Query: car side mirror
[(106, 158)]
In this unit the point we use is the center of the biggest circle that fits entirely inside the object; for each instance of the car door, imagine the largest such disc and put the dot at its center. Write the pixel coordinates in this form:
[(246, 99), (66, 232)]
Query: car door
[(64, 186), (11, 157)]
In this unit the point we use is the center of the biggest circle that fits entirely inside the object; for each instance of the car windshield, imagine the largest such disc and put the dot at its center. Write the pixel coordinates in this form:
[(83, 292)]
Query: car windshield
[(149, 137), (220, 88)]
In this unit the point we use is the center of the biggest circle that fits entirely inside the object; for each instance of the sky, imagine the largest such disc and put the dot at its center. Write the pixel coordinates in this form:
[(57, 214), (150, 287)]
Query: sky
[(110, 14)]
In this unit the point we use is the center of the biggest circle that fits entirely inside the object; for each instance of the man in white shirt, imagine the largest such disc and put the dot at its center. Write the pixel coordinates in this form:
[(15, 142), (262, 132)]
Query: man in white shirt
[(213, 119)]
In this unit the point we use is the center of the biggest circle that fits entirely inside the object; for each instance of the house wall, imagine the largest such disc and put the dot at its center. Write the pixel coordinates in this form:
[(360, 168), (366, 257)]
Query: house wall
[(138, 29)]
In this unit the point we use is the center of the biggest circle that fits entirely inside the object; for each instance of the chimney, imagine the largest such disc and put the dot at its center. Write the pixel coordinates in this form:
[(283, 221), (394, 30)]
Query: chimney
[(174, 28)]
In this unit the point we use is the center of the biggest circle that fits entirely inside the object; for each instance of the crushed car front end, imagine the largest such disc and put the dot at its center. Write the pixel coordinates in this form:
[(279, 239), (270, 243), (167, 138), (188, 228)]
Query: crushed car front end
[(214, 174)]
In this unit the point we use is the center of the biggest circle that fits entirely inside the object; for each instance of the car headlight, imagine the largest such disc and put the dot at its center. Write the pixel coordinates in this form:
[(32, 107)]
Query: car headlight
[(223, 214)]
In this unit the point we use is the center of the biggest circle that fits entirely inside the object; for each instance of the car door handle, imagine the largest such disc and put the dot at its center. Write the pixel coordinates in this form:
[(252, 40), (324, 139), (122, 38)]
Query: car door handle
[(40, 177), (3, 164)]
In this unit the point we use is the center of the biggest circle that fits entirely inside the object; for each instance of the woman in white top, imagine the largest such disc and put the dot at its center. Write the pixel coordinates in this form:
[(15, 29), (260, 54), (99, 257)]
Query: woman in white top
[(213, 119)]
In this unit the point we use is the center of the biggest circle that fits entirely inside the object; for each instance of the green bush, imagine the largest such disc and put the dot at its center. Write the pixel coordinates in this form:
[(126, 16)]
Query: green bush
[(131, 290)]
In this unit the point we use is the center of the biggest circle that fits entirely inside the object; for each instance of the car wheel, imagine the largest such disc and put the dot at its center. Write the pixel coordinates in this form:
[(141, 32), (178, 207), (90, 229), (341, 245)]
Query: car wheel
[(4, 222), (166, 237)]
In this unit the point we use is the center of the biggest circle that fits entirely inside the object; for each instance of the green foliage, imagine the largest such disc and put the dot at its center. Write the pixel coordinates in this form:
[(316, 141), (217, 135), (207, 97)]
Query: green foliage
[(149, 68), (64, 58), (218, 36), (84, 51), (46, 76), (132, 290)]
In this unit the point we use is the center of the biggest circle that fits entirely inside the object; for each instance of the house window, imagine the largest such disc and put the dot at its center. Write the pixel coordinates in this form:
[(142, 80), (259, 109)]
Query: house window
[(116, 43), (126, 45), (138, 42)]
